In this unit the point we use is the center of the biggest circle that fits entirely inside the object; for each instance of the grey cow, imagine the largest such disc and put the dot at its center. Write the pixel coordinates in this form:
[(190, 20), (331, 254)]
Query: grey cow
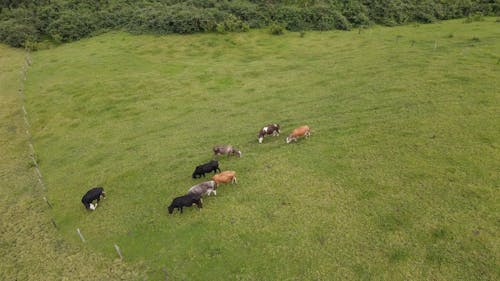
[(226, 149), (203, 188)]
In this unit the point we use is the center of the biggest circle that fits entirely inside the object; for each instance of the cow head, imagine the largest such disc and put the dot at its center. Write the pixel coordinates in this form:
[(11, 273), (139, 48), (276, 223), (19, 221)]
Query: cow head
[(237, 152)]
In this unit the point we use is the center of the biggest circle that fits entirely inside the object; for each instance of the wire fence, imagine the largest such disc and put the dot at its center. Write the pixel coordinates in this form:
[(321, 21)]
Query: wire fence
[(32, 152)]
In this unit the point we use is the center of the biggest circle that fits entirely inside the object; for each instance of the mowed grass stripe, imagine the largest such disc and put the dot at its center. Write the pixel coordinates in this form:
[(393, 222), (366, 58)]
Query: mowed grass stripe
[(400, 170)]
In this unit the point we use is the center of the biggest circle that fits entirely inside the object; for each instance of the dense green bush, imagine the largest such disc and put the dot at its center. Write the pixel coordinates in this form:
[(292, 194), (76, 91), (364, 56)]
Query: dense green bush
[(71, 25), (246, 11), (291, 17), (356, 13), (276, 29), (17, 34), (24, 21), (18, 26), (232, 24)]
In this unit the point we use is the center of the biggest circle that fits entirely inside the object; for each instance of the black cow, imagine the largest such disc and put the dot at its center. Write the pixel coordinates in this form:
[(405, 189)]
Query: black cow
[(91, 195), (185, 201), (206, 168)]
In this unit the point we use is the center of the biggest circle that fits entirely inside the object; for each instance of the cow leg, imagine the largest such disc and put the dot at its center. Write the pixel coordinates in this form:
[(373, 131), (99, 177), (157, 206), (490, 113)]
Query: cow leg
[(180, 208)]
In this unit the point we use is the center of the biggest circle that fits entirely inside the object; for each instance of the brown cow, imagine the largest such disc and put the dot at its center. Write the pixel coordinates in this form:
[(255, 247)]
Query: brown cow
[(225, 177), (299, 132)]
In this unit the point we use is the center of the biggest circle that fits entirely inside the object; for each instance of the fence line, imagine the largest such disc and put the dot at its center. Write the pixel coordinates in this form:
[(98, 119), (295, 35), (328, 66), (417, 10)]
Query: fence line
[(24, 72)]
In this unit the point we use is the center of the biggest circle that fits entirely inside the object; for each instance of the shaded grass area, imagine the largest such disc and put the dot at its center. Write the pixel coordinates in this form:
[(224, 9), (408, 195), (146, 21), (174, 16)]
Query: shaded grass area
[(399, 179), (30, 246)]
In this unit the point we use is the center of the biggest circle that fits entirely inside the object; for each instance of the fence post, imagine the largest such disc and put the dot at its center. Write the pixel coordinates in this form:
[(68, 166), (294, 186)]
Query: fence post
[(118, 251), (81, 236), (47, 201), (54, 223)]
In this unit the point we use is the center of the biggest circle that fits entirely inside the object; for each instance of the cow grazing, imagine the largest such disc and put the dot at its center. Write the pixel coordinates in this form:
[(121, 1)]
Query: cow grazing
[(225, 177), (185, 201), (91, 195), (226, 149), (203, 188), (206, 168), (299, 132), (271, 129)]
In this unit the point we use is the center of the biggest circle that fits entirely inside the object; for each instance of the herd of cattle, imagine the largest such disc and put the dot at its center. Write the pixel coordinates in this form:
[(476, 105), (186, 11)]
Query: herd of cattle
[(195, 193)]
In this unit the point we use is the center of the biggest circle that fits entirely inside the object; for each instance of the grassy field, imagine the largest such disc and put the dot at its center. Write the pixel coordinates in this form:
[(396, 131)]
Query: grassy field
[(399, 180), (30, 246)]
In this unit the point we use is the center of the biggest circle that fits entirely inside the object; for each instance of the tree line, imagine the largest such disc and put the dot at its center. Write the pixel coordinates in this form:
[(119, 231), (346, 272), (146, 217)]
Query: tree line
[(23, 23)]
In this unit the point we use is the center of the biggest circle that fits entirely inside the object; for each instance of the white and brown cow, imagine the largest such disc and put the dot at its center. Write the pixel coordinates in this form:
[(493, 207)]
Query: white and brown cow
[(302, 131), (271, 129)]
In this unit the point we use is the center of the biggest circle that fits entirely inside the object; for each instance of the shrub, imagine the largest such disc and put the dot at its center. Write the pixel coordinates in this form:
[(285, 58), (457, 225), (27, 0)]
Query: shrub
[(389, 12), (292, 18), (424, 12), (320, 17), (356, 13), (276, 29), (473, 18), (232, 24), (247, 12), (69, 20), (175, 19), (17, 34), (71, 26)]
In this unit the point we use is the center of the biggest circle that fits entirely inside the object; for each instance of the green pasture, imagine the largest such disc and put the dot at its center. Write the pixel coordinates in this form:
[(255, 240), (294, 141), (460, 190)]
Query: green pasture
[(30, 246), (398, 181)]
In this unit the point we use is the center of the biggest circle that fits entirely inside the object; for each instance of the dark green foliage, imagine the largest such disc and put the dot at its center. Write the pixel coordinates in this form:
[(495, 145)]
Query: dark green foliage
[(473, 18), (71, 25), (232, 24), (276, 29), (17, 27), (247, 11), (26, 21), (291, 17), (356, 13), (326, 18), (17, 34)]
